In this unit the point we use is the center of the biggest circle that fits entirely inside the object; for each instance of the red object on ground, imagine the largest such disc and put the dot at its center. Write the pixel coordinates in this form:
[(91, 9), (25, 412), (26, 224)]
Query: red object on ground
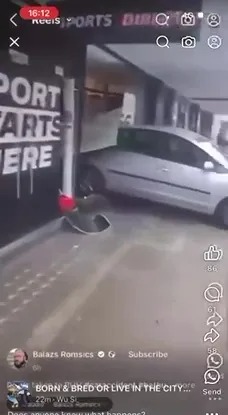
[(66, 203)]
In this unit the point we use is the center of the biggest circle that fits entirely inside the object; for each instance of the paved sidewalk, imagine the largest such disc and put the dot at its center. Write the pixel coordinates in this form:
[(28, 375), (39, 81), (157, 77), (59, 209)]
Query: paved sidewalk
[(139, 286)]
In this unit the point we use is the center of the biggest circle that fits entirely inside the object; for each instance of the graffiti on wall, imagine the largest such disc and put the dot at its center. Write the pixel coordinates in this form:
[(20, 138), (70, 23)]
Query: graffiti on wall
[(29, 121)]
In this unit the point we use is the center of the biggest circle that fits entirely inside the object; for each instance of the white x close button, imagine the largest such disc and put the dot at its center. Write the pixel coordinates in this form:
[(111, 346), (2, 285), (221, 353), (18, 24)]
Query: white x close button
[(14, 42)]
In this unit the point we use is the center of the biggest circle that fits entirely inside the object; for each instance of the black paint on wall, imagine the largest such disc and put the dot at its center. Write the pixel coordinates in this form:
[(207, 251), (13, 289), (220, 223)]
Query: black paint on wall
[(30, 135)]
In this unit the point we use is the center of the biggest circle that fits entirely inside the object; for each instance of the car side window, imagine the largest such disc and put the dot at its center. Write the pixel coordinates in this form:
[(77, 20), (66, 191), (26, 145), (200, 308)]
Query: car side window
[(181, 151), (139, 141), (165, 146), (150, 143), (184, 152), (126, 140), (162, 145)]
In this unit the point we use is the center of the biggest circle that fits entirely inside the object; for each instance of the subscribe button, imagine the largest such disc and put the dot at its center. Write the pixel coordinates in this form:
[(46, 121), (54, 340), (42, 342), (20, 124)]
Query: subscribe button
[(70, 405)]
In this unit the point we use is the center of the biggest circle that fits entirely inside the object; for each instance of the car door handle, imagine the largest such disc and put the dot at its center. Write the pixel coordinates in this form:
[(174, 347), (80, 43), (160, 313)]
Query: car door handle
[(165, 170)]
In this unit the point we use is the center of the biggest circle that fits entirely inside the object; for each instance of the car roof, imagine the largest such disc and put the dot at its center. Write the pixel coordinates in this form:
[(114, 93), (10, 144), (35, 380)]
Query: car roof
[(181, 132)]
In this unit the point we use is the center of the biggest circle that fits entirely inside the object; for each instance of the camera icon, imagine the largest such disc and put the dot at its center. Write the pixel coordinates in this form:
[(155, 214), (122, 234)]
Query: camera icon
[(188, 19), (188, 42)]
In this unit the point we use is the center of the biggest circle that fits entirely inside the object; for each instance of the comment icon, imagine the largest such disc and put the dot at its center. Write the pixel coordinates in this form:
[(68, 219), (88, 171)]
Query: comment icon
[(214, 292)]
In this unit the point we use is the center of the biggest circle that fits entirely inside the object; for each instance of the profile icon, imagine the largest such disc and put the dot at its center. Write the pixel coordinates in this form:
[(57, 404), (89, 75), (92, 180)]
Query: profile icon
[(213, 20), (214, 42), (17, 358)]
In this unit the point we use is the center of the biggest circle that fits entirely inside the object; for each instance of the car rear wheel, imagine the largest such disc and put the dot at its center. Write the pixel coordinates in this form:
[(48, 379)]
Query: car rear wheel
[(91, 181), (222, 214)]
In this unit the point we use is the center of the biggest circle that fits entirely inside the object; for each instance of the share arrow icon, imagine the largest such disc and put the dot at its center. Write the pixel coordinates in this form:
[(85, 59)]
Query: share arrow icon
[(211, 336), (215, 319)]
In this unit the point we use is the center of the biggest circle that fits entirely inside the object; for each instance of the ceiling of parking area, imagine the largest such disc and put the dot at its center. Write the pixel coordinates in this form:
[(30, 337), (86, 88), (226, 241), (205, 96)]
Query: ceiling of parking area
[(106, 69), (199, 72), (96, 58)]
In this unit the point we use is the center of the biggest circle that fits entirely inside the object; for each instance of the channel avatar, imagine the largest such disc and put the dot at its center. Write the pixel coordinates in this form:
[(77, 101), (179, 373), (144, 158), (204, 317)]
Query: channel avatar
[(17, 358), (18, 395)]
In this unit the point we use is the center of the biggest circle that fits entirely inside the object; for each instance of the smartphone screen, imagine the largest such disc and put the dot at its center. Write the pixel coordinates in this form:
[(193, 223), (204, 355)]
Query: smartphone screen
[(114, 208)]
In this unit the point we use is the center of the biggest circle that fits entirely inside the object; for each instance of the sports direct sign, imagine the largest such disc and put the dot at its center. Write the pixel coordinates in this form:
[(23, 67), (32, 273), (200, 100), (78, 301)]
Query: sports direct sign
[(130, 27), (29, 122), (164, 20), (167, 19)]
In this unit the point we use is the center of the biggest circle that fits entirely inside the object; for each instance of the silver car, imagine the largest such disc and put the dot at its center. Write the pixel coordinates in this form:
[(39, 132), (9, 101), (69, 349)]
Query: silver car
[(163, 164)]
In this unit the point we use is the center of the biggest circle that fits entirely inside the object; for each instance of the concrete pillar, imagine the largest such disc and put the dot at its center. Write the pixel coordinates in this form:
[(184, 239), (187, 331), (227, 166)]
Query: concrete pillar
[(183, 110), (68, 135), (194, 118), (160, 105), (139, 93), (171, 107), (206, 123), (149, 102), (75, 69), (133, 102), (153, 101), (79, 109)]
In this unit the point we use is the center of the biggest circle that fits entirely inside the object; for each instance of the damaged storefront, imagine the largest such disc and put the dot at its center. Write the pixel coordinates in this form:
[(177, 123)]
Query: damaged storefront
[(30, 147), (33, 165)]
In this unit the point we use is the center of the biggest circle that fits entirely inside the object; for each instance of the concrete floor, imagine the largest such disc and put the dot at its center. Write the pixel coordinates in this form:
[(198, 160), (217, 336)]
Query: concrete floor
[(137, 287)]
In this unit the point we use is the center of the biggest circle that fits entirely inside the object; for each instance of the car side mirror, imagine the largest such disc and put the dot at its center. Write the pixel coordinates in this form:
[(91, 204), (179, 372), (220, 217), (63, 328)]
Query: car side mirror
[(208, 166)]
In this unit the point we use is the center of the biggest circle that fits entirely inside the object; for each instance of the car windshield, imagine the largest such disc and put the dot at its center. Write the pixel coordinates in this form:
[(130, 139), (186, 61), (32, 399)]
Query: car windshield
[(221, 150), (218, 153), (202, 139)]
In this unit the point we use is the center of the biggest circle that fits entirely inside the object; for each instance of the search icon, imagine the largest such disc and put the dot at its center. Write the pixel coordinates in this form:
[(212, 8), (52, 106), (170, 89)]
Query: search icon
[(162, 41), (162, 19)]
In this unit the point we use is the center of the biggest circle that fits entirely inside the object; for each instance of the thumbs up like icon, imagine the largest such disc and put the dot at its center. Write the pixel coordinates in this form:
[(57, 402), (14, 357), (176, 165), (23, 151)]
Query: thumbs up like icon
[(213, 253)]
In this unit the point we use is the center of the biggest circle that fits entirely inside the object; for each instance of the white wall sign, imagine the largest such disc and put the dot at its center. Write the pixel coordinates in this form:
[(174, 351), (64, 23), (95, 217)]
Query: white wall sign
[(29, 123)]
